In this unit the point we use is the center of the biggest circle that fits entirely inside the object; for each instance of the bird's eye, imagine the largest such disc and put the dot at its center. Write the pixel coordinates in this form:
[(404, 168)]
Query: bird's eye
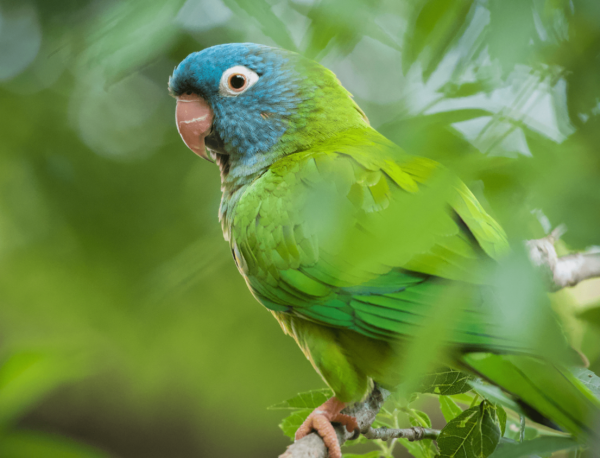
[(236, 80), (189, 92)]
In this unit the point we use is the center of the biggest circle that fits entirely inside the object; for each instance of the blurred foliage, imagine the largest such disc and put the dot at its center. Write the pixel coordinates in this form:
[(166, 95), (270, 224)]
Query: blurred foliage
[(477, 425), (123, 321)]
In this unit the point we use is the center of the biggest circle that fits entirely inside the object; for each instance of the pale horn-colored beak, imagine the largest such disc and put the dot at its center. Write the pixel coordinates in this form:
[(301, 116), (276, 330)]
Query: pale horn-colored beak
[(194, 119)]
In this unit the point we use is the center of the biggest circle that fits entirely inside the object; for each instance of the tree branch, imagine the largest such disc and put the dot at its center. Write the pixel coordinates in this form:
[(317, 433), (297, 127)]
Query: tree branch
[(567, 270), (416, 433), (312, 446)]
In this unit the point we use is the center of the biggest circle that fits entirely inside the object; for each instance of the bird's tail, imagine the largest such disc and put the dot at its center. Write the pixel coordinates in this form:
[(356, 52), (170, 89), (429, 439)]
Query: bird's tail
[(545, 391)]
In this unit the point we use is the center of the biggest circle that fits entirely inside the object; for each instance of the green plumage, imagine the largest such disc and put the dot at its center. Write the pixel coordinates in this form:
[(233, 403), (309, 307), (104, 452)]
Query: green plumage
[(351, 243)]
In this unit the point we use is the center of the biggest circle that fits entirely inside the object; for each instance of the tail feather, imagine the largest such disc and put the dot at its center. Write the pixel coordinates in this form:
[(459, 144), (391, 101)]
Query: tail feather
[(552, 394)]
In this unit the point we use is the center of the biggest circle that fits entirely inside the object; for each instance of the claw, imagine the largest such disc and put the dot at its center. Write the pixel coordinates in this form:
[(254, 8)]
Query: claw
[(320, 421)]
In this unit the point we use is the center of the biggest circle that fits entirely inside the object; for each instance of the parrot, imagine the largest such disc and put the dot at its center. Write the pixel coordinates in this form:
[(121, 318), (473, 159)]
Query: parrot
[(349, 241)]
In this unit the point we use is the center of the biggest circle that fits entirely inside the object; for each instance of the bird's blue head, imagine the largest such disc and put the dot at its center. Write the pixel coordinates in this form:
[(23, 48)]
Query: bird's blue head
[(250, 104)]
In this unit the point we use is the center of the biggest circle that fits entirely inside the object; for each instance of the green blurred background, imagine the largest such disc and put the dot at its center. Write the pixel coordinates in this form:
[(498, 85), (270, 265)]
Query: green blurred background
[(125, 329)]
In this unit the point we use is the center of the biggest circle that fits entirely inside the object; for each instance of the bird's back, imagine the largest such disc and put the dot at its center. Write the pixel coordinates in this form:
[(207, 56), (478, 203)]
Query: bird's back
[(356, 234)]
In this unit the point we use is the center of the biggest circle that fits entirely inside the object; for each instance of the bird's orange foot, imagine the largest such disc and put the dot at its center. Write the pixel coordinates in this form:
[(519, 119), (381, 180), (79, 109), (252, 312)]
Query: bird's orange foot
[(320, 421)]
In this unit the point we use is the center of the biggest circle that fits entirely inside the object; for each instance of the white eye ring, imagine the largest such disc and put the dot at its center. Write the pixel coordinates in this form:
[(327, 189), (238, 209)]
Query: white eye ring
[(231, 79)]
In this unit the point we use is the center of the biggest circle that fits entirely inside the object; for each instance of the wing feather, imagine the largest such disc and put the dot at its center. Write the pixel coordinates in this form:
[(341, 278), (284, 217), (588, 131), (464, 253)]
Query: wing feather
[(360, 236)]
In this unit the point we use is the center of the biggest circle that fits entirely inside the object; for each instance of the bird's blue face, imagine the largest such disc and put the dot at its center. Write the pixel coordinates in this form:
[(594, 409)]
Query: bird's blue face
[(238, 99)]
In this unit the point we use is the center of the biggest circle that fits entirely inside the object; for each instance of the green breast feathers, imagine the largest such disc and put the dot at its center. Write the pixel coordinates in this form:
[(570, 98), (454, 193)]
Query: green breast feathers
[(356, 234)]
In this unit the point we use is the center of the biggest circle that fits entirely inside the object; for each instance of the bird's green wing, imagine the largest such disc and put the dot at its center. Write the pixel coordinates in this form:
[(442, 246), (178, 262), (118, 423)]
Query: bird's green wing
[(360, 236), (542, 388)]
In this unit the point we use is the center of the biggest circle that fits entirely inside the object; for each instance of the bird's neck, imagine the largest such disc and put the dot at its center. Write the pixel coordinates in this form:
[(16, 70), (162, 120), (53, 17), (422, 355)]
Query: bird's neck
[(313, 111), (325, 111), (317, 126)]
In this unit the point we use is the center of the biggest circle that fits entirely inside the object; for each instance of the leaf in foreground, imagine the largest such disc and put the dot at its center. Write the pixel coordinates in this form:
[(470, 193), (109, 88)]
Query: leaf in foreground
[(539, 446), (513, 431), (589, 379), (419, 449), (502, 419), (306, 400), (449, 408), (473, 434), (445, 382), (496, 395), (290, 424), (424, 448)]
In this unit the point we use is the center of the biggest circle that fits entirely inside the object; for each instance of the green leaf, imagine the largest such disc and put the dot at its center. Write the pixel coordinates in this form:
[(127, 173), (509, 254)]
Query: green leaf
[(473, 434), (113, 43), (502, 418), (373, 454), (290, 424), (26, 377), (446, 382), (420, 449), (496, 395), (465, 398), (513, 431), (434, 135), (449, 408), (425, 121), (589, 379), (424, 448), (453, 90), (381, 422), (307, 400), (361, 440), (538, 446), (458, 115), (339, 25), (270, 24), (412, 398), (511, 31), (433, 31), (418, 418)]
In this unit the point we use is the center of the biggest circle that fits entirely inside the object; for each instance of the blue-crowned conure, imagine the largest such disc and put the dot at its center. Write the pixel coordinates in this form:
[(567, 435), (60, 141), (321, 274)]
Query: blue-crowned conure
[(350, 242)]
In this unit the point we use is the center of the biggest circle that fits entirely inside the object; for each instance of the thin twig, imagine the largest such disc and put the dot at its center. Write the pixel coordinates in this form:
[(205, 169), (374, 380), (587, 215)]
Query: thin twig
[(416, 433), (312, 446), (567, 270)]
